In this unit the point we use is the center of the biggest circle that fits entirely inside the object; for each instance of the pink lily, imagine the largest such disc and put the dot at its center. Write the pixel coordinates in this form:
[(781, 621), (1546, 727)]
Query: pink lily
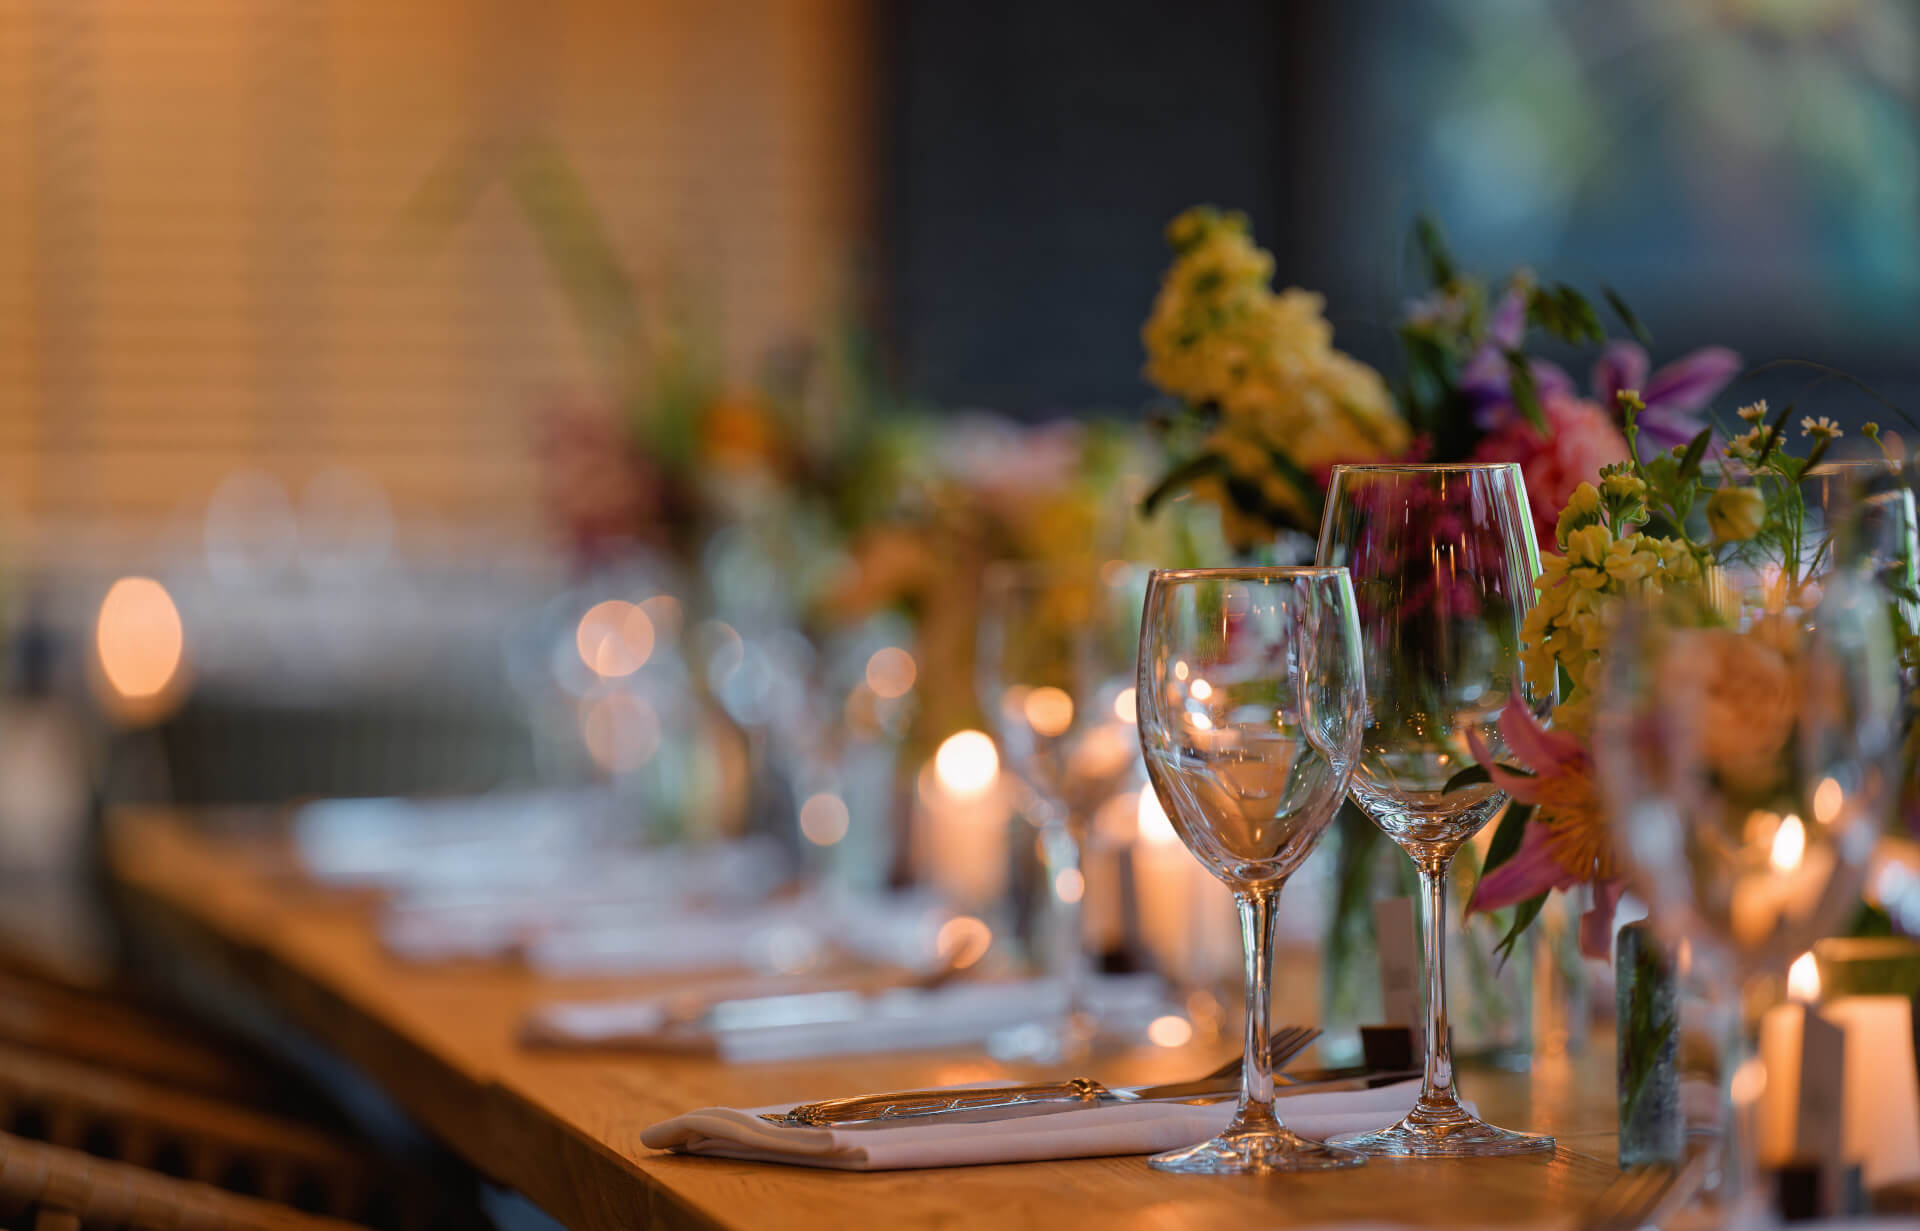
[(1532, 869)]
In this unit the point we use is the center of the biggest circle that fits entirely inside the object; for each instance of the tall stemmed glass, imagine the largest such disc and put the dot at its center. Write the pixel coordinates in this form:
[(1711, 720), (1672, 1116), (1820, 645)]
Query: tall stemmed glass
[(1443, 560), (1055, 677), (1250, 700), (1746, 750)]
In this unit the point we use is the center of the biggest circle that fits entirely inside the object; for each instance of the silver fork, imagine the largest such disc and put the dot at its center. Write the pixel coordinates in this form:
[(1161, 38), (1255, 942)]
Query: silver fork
[(1283, 1045)]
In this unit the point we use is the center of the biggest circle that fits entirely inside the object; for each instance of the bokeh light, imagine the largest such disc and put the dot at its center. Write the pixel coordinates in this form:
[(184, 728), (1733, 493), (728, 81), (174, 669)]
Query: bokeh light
[(891, 672), (139, 637), (1048, 710), (967, 763), (824, 819)]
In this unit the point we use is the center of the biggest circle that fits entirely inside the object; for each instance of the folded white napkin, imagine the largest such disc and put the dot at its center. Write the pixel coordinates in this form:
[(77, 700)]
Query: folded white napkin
[(804, 1018), (1112, 1128)]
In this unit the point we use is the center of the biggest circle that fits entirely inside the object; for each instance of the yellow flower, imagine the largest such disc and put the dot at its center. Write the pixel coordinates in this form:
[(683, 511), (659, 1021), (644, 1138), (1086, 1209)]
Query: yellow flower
[(1754, 412), (1630, 560), (1746, 446), (1582, 509), (1822, 428), (1735, 514), (1587, 547)]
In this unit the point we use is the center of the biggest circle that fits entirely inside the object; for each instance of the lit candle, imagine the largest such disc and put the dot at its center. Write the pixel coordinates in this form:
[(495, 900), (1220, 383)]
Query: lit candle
[(1882, 1100), (960, 824), (1186, 916)]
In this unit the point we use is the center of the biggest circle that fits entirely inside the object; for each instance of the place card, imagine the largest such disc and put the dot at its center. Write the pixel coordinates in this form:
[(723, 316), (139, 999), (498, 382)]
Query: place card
[(1399, 944)]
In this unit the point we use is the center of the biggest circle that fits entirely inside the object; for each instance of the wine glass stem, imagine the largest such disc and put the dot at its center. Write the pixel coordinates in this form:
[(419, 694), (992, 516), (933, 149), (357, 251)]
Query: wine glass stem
[(1436, 1089), (1258, 909), (1066, 888)]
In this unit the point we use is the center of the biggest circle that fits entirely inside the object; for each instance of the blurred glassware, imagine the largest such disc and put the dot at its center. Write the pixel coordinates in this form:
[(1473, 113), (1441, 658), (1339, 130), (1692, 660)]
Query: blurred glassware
[(1055, 668), (1443, 560), (1251, 702), (1870, 505), (1746, 753)]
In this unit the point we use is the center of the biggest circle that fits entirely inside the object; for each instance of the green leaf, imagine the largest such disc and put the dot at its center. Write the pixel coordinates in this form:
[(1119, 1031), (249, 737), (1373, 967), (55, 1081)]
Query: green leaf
[(1523, 917), (1627, 318), (1778, 425), (1509, 835), (1696, 449), (1526, 394), (1433, 251), (1181, 476), (1814, 455), (1466, 777)]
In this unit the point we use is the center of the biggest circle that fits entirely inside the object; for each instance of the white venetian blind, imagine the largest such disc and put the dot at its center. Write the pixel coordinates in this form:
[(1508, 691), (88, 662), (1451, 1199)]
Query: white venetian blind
[(202, 262)]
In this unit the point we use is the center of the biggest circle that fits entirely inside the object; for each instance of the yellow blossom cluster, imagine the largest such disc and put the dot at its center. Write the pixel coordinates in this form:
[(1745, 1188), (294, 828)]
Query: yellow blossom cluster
[(1221, 337), (1603, 558)]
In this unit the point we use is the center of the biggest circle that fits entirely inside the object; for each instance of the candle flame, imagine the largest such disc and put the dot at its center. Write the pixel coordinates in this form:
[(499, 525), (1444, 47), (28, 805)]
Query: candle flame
[(966, 763), (1803, 979), (1789, 844), (1827, 800)]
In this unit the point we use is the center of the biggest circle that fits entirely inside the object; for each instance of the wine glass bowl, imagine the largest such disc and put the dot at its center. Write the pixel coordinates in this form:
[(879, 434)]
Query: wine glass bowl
[(1443, 560), (1249, 700), (1054, 673)]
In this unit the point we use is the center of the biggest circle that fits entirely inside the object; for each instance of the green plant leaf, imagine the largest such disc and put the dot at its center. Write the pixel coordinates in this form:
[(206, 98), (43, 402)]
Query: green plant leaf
[(1523, 917), (1466, 777), (1433, 251), (1196, 467), (1526, 394), (1627, 318), (1507, 838), (1696, 449), (1774, 429)]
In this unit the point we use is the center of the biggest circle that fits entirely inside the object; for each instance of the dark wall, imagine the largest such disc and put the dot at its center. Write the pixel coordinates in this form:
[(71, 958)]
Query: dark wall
[(1036, 150)]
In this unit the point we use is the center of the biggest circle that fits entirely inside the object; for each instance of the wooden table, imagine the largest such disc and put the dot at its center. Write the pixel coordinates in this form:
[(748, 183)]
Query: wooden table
[(565, 1128)]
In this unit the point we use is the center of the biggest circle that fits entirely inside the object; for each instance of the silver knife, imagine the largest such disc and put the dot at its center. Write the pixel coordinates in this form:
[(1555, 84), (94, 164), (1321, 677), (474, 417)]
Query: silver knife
[(1010, 1101)]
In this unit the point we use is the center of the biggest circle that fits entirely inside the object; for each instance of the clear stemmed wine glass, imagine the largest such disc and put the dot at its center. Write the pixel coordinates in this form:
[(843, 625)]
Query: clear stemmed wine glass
[(1055, 677), (1443, 560), (1746, 750), (1250, 698)]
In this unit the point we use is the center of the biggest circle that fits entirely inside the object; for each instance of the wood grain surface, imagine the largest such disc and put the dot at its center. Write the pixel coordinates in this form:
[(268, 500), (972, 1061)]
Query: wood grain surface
[(564, 1128)]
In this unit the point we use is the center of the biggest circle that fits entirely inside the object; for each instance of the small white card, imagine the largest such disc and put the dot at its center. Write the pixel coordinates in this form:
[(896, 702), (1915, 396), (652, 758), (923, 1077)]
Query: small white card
[(1399, 942)]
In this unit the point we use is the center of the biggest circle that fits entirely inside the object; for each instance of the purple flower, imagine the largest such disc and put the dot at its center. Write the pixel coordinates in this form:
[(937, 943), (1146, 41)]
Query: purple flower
[(1676, 396)]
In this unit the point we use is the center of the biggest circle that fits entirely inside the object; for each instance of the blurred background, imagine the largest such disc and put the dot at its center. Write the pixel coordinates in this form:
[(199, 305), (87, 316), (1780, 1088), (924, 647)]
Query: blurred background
[(436, 398), (355, 355)]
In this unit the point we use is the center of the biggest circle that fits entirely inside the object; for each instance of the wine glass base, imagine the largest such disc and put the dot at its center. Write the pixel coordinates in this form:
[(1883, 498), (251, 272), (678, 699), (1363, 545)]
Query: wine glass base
[(1443, 1131), (1254, 1152)]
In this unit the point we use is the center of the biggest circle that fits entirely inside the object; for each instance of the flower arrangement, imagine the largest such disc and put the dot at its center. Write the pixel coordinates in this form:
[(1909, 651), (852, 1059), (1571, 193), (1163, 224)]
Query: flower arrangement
[(1658, 523), (1269, 406)]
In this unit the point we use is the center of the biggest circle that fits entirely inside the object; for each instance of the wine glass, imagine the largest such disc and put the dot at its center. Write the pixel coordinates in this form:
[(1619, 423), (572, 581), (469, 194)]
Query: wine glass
[(1055, 670), (1746, 753), (1443, 560), (1250, 699)]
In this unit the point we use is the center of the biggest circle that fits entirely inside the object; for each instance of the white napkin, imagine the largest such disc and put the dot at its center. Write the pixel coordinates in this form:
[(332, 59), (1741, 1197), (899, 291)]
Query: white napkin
[(1113, 1128), (803, 1019)]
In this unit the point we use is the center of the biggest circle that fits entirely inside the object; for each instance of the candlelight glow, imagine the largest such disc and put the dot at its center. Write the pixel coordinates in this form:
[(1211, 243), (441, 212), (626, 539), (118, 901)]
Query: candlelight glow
[(1180, 670), (615, 638), (967, 763), (139, 637), (1154, 827), (891, 672), (962, 941), (1789, 844), (1749, 1082), (1169, 1031), (1827, 799), (1049, 710), (1069, 885), (621, 731), (823, 819), (1803, 979), (1201, 690), (1125, 707)]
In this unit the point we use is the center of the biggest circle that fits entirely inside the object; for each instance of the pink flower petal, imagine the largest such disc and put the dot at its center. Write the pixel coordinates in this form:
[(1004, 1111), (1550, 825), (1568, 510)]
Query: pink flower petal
[(1518, 786), (1540, 750), (1530, 871), (1596, 924), (1622, 365), (1689, 382)]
